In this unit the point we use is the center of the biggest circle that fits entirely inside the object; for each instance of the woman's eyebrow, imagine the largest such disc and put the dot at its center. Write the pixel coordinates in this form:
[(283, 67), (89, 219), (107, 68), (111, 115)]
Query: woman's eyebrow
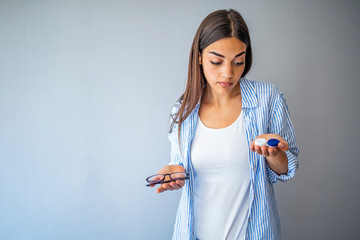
[(219, 55)]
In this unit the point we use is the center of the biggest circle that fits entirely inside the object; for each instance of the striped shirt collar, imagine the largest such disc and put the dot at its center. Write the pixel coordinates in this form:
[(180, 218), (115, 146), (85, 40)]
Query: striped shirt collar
[(249, 98)]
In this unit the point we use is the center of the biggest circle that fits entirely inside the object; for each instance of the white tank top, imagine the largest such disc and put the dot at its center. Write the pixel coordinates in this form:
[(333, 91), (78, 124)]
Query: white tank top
[(222, 181)]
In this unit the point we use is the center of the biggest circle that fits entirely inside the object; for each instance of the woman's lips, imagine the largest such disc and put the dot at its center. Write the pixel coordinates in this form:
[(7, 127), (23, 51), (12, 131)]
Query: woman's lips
[(225, 84)]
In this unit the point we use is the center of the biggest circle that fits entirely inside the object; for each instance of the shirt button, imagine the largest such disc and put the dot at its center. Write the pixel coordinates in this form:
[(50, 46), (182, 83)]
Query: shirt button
[(254, 169)]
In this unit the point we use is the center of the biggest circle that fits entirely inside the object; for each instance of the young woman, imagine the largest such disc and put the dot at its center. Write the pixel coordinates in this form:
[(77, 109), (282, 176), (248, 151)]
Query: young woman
[(229, 193)]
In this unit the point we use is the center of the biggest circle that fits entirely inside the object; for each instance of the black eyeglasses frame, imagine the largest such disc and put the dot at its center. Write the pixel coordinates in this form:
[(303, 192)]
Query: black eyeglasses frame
[(164, 176)]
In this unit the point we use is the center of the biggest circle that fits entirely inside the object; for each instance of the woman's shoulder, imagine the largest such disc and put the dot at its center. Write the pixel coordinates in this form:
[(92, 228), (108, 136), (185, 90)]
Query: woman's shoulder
[(175, 108), (261, 86), (261, 89)]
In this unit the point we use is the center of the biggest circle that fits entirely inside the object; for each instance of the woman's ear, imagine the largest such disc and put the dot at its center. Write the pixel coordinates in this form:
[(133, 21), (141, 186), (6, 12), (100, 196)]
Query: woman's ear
[(200, 58)]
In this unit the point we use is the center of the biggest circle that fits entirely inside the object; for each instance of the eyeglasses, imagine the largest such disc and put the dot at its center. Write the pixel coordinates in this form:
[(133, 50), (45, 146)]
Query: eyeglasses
[(162, 178)]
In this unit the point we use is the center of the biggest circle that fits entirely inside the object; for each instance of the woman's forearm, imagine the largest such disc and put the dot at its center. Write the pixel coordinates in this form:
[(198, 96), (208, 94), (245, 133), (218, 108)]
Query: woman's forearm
[(278, 163)]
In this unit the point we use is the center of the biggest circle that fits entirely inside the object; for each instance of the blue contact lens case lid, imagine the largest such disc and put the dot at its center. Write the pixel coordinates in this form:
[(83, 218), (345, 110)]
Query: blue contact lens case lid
[(273, 142)]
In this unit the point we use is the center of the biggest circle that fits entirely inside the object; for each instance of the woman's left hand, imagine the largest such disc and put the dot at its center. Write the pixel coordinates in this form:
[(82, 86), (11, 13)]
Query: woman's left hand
[(267, 151)]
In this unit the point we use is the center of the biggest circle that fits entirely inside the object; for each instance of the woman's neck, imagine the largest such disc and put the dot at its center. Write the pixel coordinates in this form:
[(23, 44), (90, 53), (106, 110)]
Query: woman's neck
[(220, 100)]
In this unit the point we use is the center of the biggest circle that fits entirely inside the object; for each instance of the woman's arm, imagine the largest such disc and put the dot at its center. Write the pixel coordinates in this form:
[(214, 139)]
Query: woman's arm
[(280, 125)]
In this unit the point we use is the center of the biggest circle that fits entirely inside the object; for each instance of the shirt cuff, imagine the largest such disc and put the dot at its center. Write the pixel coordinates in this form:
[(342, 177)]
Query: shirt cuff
[(292, 168)]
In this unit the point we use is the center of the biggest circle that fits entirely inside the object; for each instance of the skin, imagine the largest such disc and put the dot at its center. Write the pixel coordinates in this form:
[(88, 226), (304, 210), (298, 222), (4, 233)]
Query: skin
[(223, 63)]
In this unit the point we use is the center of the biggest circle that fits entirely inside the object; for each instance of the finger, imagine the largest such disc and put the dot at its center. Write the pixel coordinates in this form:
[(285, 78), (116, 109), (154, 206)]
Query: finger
[(175, 186), (283, 146), (166, 186), (273, 152), (181, 183), (160, 190), (252, 148), (258, 150), (265, 151), (172, 186)]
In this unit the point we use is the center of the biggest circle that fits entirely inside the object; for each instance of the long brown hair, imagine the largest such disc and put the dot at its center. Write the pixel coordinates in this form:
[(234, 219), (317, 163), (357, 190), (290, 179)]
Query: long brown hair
[(217, 25)]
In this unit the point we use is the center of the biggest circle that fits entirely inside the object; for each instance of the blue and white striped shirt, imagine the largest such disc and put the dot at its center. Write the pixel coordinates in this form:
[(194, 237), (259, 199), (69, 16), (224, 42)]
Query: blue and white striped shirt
[(265, 111)]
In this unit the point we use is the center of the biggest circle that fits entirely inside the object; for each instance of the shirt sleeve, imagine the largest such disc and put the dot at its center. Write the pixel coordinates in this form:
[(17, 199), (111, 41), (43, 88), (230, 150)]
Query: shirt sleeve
[(175, 154), (280, 123)]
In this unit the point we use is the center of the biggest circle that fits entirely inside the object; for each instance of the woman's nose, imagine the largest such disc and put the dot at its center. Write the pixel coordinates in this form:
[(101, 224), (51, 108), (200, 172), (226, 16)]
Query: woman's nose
[(227, 71)]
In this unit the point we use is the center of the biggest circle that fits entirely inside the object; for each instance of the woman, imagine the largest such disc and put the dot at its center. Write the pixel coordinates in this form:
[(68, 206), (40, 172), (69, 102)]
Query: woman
[(229, 193)]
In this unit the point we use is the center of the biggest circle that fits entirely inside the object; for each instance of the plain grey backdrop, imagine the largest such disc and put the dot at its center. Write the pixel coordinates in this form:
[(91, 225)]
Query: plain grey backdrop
[(85, 93)]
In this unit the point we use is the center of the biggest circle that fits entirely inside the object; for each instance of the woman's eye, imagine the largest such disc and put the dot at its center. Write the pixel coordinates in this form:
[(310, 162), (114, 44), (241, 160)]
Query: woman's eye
[(239, 63), (215, 63)]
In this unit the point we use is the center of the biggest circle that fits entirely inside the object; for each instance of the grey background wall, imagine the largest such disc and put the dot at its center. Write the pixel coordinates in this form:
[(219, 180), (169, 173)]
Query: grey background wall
[(85, 93)]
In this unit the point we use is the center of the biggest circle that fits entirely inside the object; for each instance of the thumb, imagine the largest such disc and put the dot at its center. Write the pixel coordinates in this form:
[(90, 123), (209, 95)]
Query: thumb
[(283, 146)]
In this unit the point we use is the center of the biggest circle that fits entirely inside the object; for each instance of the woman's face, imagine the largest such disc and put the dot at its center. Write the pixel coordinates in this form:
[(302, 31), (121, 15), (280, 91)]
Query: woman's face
[(223, 63)]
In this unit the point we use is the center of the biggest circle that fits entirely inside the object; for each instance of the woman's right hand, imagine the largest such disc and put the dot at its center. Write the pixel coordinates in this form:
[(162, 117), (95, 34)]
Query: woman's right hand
[(171, 185)]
